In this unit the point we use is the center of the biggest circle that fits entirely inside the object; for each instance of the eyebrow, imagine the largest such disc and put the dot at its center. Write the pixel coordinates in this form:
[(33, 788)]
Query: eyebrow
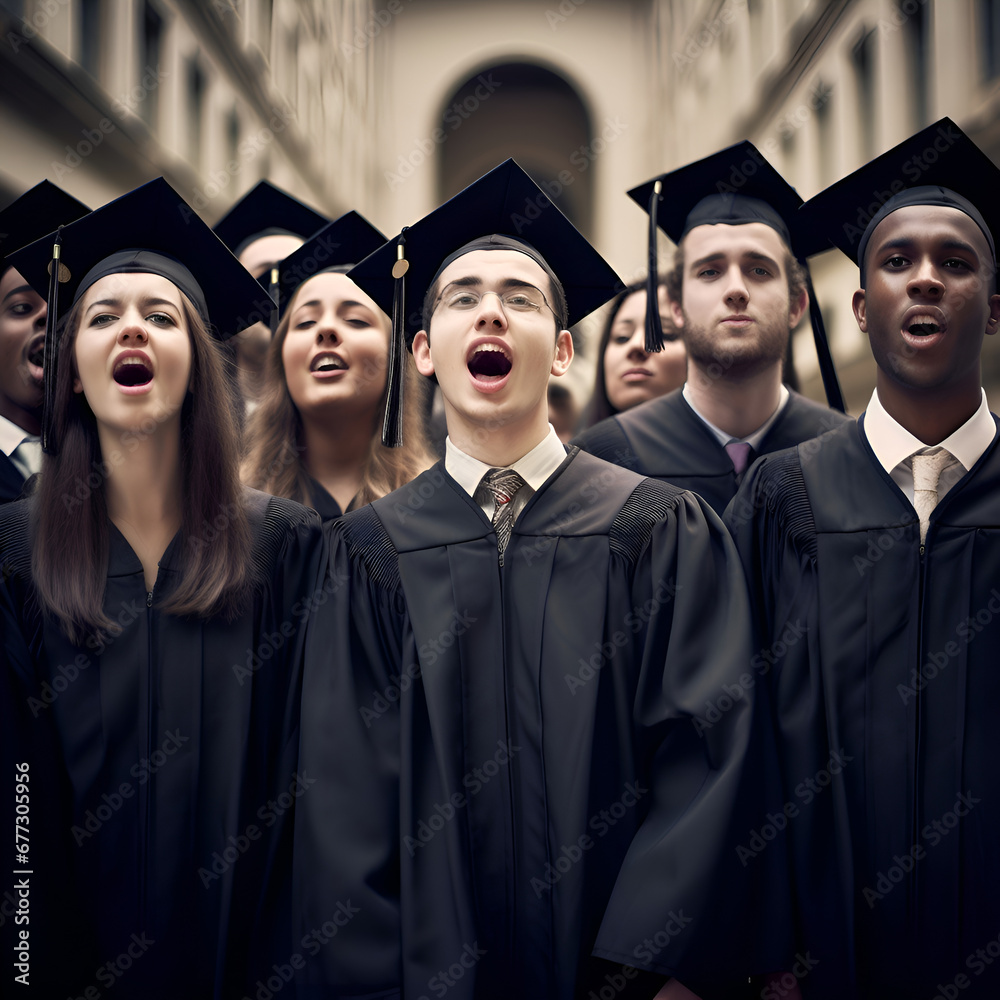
[(748, 255), (18, 291), (346, 304), (906, 242), (114, 303), (504, 283)]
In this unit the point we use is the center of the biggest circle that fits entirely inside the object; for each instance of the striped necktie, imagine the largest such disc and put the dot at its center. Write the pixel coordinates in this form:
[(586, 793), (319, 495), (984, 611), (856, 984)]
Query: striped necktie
[(503, 485)]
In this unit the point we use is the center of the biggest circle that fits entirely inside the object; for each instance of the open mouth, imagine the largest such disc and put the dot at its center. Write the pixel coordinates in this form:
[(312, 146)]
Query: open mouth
[(35, 357), (489, 361), (133, 371), (325, 363), (923, 326)]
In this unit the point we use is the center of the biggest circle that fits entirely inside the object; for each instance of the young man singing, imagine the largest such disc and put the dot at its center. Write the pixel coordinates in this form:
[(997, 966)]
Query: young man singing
[(878, 541), (513, 790)]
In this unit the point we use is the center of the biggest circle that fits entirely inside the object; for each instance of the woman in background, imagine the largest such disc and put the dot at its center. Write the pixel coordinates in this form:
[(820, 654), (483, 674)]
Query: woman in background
[(627, 374), (316, 437)]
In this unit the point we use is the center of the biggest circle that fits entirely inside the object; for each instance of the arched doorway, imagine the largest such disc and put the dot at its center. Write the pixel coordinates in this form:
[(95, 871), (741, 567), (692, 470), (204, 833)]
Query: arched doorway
[(528, 112)]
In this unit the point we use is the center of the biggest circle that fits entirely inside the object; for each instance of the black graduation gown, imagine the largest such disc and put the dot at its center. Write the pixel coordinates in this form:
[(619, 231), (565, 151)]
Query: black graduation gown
[(162, 769), (323, 501), (883, 663), (499, 744), (665, 439), (11, 480)]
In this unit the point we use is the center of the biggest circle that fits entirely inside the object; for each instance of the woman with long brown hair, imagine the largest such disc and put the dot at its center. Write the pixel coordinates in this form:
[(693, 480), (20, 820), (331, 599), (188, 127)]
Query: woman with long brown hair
[(316, 436), (152, 610)]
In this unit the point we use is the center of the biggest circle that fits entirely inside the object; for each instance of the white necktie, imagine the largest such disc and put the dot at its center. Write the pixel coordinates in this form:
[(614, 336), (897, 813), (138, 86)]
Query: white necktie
[(27, 456), (927, 466)]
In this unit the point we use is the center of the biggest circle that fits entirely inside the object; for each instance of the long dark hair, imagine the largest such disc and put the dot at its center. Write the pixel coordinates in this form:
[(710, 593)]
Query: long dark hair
[(600, 407), (275, 446), (71, 538)]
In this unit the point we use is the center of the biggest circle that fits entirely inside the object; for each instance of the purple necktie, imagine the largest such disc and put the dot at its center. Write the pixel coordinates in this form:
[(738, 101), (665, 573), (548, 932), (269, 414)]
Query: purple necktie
[(739, 455)]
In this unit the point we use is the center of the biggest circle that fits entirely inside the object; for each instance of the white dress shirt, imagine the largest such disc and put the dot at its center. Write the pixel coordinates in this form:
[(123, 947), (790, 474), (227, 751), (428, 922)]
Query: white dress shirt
[(753, 439), (29, 458), (894, 445), (534, 468)]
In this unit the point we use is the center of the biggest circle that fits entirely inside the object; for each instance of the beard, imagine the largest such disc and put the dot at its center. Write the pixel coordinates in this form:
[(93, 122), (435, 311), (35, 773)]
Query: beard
[(737, 356)]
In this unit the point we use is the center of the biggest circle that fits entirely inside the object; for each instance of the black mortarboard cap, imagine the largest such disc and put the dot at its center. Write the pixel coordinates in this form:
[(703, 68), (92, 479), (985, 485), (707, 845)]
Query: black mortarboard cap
[(149, 230), (39, 211), (266, 210), (505, 203), (939, 165), (735, 186), (340, 245)]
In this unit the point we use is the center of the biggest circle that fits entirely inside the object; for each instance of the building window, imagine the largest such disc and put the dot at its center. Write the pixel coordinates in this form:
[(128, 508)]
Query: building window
[(989, 34), (196, 85), (89, 24), (824, 130), (917, 29), (232, 135), (150, 57), (863, 60)]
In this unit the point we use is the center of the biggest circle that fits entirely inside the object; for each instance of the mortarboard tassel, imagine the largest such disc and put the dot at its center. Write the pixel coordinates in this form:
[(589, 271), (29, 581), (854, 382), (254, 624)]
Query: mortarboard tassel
[(50, 353), (274, 292), (654, 329), (831, 385), (392, 426)]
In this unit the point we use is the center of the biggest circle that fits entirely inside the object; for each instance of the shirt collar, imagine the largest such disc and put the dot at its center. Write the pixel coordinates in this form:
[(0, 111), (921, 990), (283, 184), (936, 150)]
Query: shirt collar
[(534, 468), (754, 439), (11, 436), (893, 443)]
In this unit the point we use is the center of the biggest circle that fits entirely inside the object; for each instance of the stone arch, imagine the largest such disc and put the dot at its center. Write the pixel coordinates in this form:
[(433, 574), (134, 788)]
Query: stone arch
[(526, 110)]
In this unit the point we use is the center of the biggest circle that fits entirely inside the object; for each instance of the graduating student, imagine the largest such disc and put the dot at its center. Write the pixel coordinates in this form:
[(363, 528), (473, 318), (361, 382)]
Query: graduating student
[(628, 374), (874, 558), (512, 790), (151, 613), (263, 228), (22, 333), (316, 437), (737, 291)]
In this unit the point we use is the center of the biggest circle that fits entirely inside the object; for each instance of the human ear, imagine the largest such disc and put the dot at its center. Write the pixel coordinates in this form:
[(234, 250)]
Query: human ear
[(422, 353)]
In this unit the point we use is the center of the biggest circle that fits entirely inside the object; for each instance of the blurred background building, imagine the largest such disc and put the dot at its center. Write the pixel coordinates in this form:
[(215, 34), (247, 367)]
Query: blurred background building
[(390, 106)]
